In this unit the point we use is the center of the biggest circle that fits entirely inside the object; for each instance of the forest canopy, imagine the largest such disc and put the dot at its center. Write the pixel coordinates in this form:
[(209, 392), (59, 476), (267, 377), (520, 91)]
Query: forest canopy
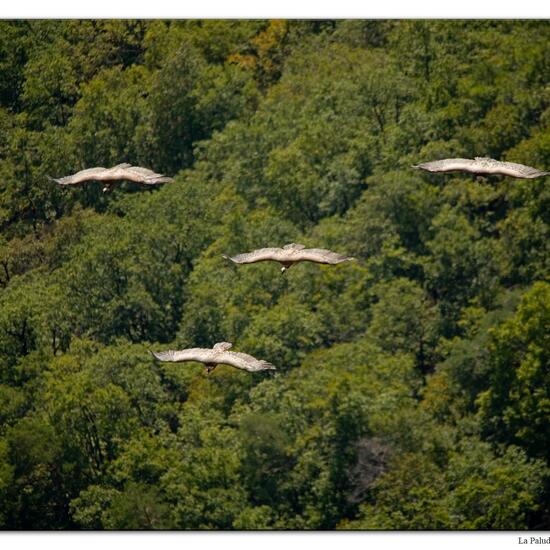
[(412, 388)]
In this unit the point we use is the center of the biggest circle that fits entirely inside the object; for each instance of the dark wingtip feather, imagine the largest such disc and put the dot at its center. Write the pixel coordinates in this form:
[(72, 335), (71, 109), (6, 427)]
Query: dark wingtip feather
[(342, 259), (157, 180)]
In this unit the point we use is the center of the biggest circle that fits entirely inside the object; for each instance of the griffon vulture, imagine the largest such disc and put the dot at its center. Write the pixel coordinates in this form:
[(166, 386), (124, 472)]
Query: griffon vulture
[(218, 355), (110, 175), (289, 255), (482, 166)]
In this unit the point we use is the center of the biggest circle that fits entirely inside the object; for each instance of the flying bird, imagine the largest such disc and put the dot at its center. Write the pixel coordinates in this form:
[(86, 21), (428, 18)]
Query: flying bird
[(218, 355), (483, 166), (110, 175), (289, 255)]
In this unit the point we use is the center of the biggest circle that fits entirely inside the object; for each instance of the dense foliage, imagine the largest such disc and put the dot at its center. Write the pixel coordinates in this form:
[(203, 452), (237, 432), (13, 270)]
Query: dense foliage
[(413, 386)]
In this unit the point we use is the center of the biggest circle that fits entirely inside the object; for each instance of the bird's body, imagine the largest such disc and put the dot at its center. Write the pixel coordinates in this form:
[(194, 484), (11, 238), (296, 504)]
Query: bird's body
[(483, 166), (289, 255), (109, 176), (218, 355)]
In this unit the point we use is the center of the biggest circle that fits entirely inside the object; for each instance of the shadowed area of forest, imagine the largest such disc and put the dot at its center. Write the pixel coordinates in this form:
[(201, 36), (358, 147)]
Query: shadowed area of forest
[(412, 388)]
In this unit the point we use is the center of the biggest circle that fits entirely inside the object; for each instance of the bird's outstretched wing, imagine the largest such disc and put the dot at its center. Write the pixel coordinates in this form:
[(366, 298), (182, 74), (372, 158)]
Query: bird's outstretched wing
[(448, 165), (244, 361), (512, 169), (84, 176), (148, 177), (322, 256), (260, 255), (201, 355), (137, 174)]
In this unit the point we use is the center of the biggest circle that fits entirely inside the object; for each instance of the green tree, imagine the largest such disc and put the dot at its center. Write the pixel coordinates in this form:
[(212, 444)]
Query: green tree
[(515, 407)]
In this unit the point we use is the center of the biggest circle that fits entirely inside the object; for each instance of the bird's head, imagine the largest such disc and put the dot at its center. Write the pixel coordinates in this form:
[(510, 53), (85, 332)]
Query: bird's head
[(283, 269)]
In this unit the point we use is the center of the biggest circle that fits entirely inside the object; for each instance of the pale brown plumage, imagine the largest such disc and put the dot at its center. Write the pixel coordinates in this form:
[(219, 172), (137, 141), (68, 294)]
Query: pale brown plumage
[(119, 172), (289, 255), (218, 355), (483, 166)]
